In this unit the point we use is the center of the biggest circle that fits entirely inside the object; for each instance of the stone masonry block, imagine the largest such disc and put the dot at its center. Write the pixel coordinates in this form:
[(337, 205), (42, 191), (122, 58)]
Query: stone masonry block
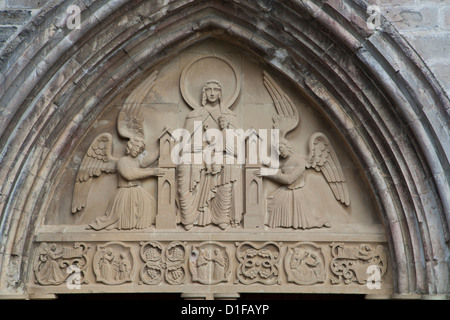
[(24, 4), (442, 73), (407, 18), (6, 32), (433, 49), (14, 17), (445, 16)]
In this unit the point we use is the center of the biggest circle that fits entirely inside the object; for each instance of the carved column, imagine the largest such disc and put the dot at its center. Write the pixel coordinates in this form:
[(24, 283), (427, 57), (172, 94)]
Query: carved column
[(226, 296), (197, 296), (210, 296), (166, 216), (254, 213)]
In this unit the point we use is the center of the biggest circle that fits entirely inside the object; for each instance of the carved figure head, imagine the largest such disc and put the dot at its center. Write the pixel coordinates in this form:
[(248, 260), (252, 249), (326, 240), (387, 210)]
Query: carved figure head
[(224, 122), (211, 92), (135, 146), (109, 252)]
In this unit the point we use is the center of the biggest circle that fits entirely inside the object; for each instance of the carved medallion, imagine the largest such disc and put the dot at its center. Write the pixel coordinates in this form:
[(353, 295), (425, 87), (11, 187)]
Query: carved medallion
[(113, 263), (152, 254), (159, 263), (175, 260), (305, 264), (209, 263), (258, 263)]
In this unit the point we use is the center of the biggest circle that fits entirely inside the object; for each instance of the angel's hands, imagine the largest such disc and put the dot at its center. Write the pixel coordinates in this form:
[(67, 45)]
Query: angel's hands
[(143, 154), (266, 162), (160, 172), (259, 173)]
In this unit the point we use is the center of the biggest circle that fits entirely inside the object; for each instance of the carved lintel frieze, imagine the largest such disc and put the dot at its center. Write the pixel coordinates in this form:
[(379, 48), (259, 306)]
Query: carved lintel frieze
[(153, 265)]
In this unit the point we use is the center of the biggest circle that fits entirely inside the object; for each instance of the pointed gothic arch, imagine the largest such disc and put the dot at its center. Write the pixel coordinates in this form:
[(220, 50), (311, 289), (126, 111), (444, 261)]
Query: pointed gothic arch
[(371, 84)]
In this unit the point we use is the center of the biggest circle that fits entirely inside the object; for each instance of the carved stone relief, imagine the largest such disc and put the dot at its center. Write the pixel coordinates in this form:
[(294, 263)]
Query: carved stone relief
[(54, 264), (290, 205), (305, 264), (207, 182), (211, 144), (209, 263), (176, 255), (258, 262), (299, 265), (160, 263), (131, 206), (351, 263), (210, 190), (113, 263), (153, 269)]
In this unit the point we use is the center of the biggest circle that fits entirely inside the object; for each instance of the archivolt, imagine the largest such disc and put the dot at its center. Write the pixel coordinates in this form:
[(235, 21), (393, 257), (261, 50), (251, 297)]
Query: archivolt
[(371, 85)]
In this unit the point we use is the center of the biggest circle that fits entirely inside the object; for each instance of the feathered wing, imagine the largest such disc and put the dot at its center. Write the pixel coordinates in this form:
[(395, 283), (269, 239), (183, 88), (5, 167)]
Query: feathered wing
[(131, 119), (322, 157), (287, 117), (97, 160)]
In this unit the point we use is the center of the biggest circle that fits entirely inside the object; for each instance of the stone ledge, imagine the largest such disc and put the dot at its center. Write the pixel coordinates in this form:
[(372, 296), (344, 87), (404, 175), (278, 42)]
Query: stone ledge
[(79, 233), (207, 289)]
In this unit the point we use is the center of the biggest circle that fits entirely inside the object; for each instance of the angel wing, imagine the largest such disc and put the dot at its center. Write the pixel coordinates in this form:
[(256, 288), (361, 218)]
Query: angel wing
[(287, 117), (130, 119), (322, 157), (97, 160)]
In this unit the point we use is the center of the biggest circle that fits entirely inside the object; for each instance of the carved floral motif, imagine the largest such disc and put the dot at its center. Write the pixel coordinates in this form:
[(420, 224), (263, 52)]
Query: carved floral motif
[(152, 254), (159, 263), (258, 263), (351, 263), (210, 263)]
